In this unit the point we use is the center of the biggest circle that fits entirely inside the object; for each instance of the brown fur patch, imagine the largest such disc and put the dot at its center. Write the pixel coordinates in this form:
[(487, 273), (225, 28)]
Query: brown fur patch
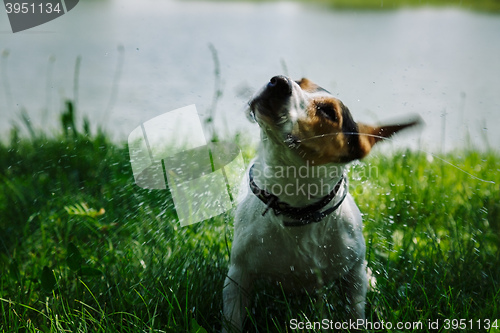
[(307, 85), (321, 133)]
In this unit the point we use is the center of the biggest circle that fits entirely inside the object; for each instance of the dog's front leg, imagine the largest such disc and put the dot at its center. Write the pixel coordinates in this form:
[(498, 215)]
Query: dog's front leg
[(235, 298), (356, 285)]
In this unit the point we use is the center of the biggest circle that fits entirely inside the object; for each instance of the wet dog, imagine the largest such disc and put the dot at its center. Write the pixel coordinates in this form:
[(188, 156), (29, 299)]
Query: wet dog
[(297, 225)]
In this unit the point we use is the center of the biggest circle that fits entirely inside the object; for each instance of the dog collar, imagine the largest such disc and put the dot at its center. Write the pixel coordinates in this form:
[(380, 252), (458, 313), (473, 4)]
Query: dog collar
[(300, 215)]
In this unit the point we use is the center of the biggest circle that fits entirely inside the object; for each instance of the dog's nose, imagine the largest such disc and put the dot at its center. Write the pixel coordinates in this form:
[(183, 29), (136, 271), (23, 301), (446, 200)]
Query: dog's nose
[(280, 85)]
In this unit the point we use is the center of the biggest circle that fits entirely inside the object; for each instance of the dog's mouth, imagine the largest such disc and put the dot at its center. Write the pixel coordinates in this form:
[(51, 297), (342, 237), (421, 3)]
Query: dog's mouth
[(272, 102)]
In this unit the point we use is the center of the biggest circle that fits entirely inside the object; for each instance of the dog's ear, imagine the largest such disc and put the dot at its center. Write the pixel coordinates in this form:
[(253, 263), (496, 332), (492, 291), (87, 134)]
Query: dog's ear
[(370, 135)]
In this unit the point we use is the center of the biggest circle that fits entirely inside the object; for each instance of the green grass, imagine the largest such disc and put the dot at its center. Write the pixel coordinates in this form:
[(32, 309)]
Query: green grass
[(478, 5), (83, 249), (491, 6)]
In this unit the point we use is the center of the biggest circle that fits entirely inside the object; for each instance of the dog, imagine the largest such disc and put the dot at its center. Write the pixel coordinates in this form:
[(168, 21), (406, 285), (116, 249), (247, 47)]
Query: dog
[(296, 224)]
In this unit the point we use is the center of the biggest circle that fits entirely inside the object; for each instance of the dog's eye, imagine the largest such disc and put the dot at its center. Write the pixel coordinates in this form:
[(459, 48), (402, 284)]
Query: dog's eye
[(327, 110)]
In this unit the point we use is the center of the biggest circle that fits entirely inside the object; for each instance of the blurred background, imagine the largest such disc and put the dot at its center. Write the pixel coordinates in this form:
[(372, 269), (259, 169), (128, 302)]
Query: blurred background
[(124, 62)]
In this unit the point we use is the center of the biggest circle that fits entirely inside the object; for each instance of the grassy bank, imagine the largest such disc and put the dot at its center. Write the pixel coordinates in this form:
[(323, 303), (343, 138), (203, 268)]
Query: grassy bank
[(83, 249), (478, 5), (490, 6)]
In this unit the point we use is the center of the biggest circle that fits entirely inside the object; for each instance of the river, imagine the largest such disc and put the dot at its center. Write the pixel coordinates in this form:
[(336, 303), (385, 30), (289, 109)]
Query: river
[(140, 59)]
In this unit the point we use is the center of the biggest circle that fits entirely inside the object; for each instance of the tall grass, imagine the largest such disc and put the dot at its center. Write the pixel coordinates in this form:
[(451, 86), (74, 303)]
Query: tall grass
[(489, 6), (492, 6), (83, 249)]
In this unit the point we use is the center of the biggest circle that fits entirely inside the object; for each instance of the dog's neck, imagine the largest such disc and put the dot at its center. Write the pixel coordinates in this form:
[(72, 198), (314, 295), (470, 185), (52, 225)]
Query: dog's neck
[(280, 171)]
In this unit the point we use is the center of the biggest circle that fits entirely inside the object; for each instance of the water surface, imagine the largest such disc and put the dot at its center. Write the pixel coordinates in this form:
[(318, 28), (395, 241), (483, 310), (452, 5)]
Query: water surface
[(443, 64)]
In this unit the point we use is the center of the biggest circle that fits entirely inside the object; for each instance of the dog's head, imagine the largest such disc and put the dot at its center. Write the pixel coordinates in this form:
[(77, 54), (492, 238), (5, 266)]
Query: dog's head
[(306, 118)]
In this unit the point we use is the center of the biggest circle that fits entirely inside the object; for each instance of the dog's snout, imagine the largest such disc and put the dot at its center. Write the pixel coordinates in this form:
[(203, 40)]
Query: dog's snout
[(280, 85), (273, 100)]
